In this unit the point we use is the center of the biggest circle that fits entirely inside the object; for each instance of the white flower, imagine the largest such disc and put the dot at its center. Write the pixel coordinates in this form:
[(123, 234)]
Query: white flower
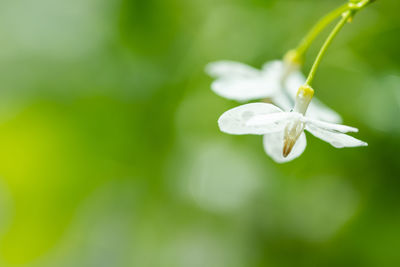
[(276, 80), (284, 138)]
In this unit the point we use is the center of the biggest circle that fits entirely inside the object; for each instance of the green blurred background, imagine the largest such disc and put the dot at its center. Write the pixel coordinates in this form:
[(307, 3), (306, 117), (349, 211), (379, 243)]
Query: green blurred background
[(110, 154)]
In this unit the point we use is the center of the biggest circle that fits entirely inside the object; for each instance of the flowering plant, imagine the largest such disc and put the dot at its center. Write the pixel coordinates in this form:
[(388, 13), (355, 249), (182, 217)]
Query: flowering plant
[(281, 82)]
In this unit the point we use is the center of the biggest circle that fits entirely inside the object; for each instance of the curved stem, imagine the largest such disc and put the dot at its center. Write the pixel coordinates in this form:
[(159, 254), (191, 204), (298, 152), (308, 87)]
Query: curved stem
[(317, 29), (353, 7), (332, 35)]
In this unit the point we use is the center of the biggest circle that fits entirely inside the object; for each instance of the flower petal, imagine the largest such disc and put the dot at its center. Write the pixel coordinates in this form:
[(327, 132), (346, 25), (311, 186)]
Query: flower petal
[(320, 111), (283, 100), (333, 127), (336, 139), (226, 68), (294, 81), (285, 94), (240, 82), (286, 97), (273, 146), (275, 68), (236, 120), (274, 120), (243, 89)]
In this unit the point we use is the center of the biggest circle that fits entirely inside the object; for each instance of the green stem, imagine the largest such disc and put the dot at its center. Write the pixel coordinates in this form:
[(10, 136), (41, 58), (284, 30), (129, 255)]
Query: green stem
[(354, 7), (325, 46), (317, 29)]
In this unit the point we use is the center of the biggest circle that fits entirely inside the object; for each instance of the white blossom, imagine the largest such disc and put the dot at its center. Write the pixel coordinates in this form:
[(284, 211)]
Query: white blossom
[(277, 80), (284, 138)]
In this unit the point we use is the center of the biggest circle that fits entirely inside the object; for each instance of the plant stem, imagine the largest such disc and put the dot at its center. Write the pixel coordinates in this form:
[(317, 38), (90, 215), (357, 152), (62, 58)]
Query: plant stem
[(353, 8), (316, 30), (325, 46)]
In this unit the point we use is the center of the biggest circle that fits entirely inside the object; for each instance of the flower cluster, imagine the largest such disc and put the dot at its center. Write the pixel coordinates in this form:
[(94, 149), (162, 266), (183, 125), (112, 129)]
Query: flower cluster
[(287, 106)]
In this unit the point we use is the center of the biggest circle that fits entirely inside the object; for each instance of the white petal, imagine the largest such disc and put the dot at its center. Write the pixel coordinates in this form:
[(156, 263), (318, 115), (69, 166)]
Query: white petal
[(235, 121), (294, 81), (227, 68), (273, 145), (320, 111), (333, 127), (283, 101), (336, 139), (273, 119), (240, 82), (274, 72), (274, 68), (285, 98), (244, 89)]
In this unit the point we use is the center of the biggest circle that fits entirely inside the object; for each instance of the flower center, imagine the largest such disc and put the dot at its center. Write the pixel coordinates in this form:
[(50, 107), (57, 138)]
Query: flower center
[(293, 130)]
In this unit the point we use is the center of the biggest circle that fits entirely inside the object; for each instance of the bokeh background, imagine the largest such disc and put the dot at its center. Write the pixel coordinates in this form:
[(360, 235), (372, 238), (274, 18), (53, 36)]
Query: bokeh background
[(110, 154)]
